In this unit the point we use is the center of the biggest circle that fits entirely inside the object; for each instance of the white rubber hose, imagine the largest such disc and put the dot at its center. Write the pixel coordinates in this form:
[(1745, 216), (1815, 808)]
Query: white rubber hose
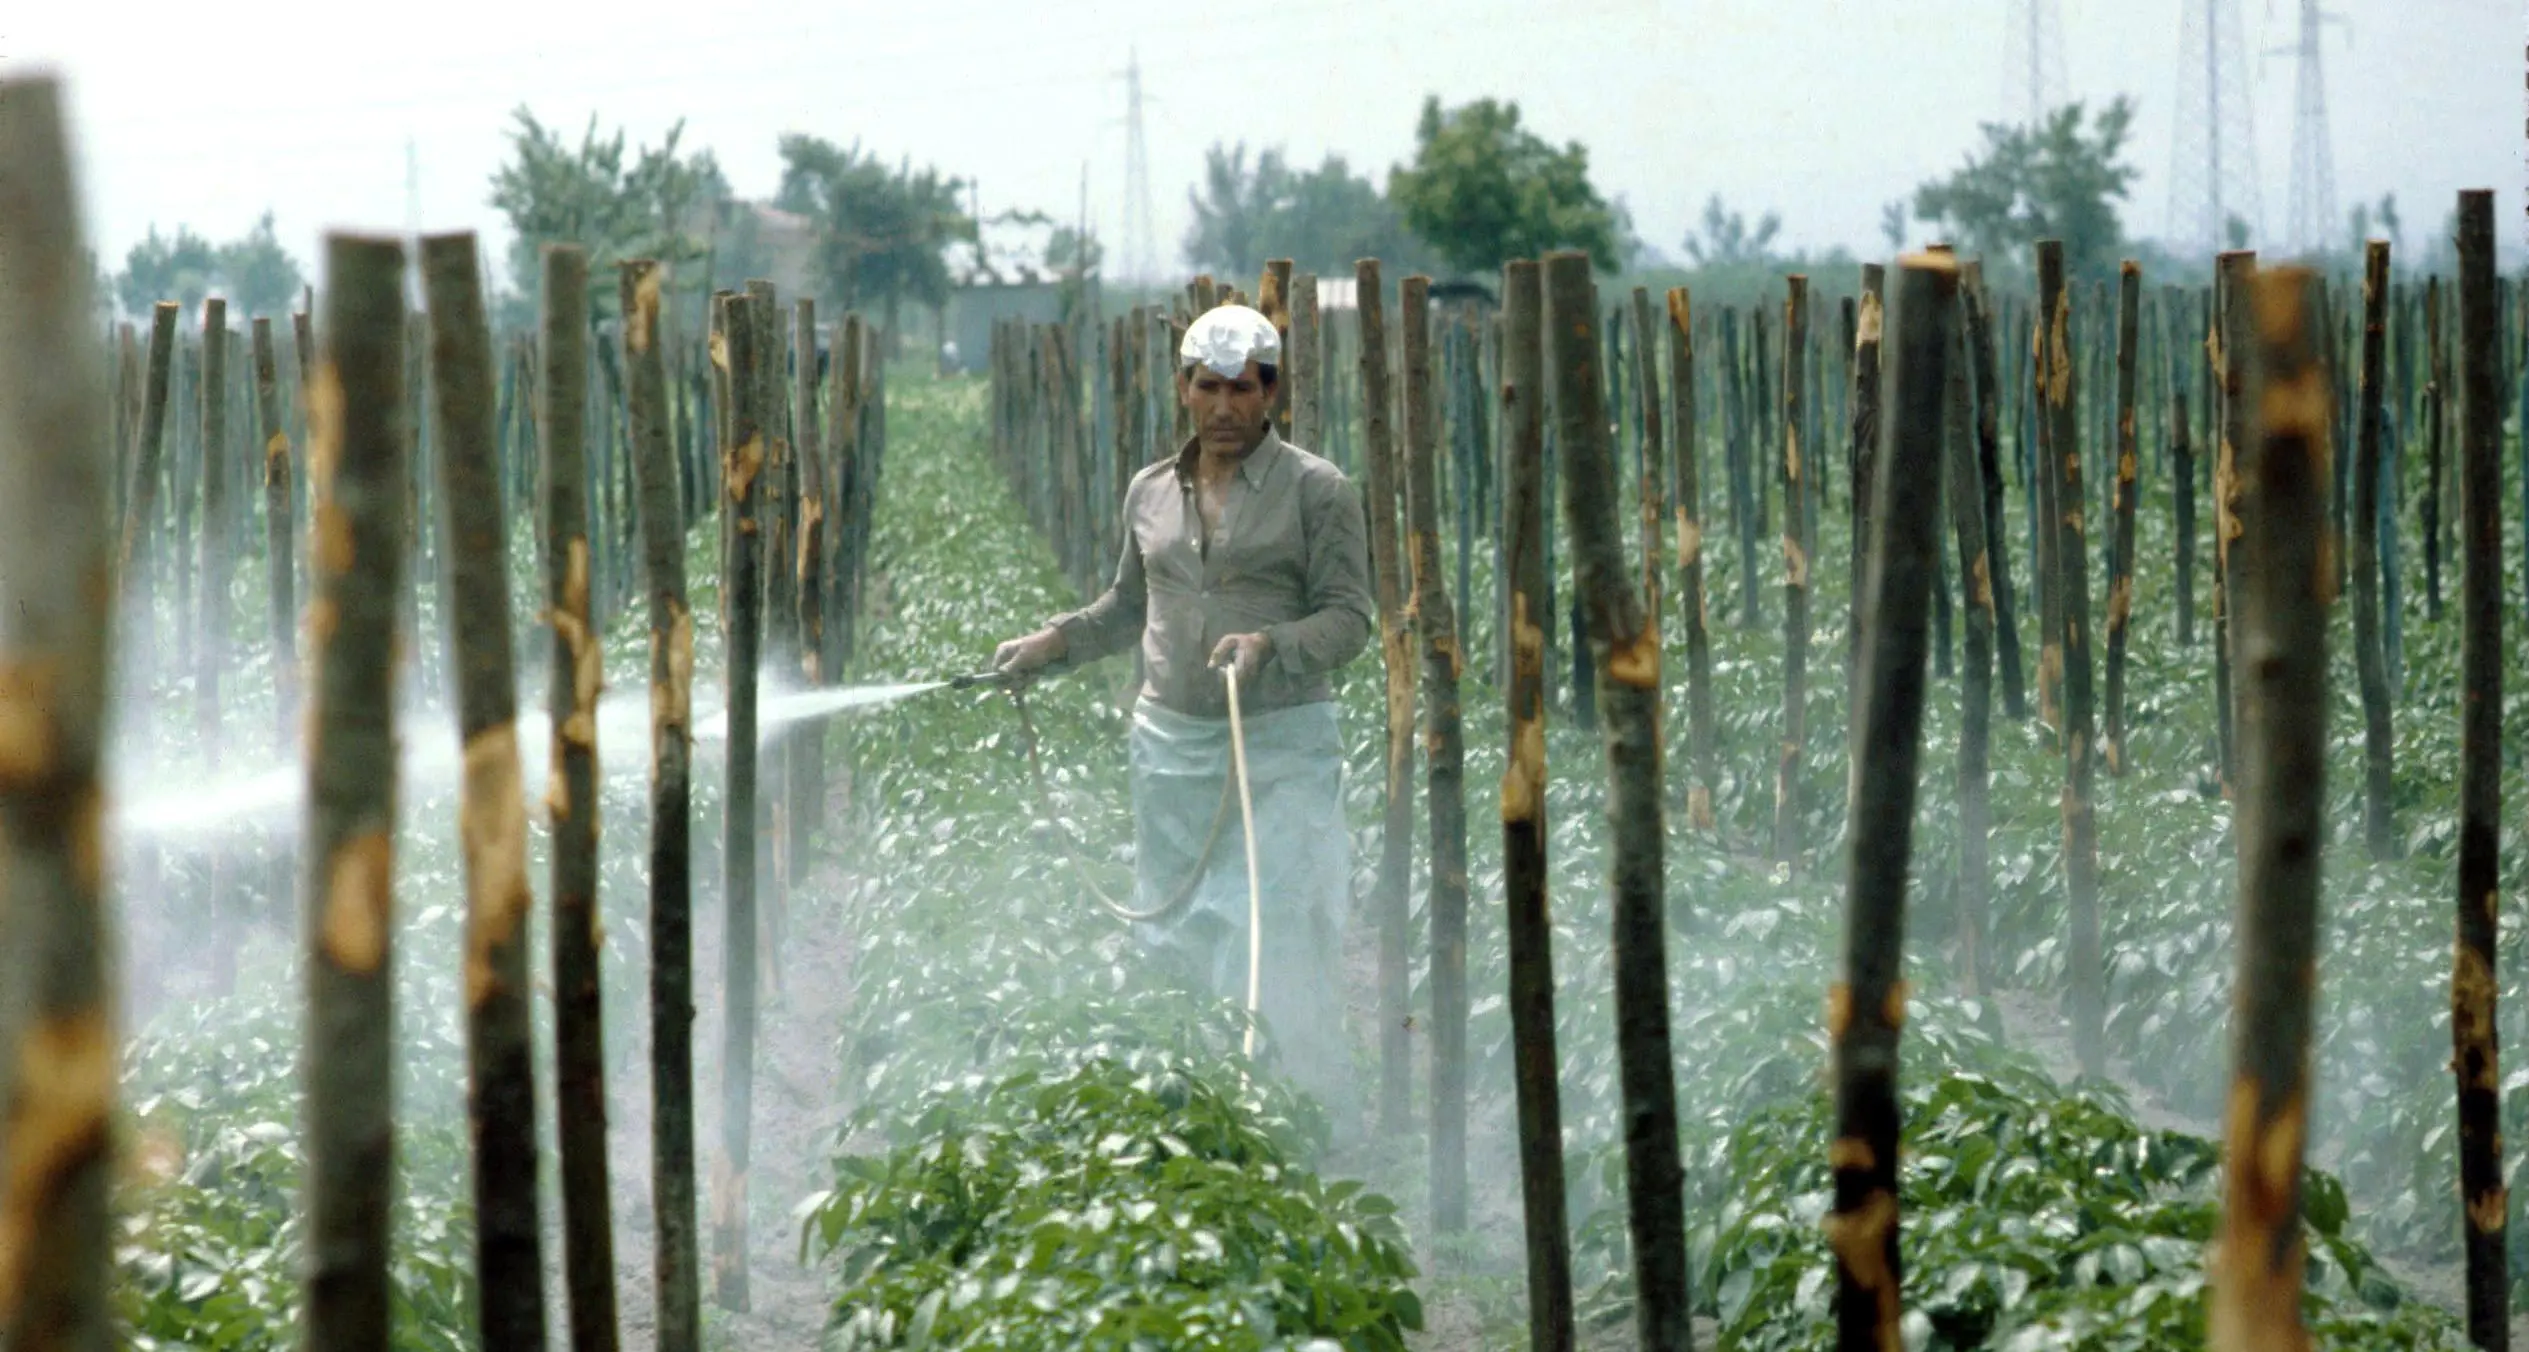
[(1255, 893)]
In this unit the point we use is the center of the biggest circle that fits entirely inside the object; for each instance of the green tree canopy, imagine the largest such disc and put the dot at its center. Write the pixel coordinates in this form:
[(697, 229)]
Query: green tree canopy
[(1725, 241), (882, 234), (593, 196), (1322, 219), (261, 277), (180, 269), (1483, 190), (2059, 179)]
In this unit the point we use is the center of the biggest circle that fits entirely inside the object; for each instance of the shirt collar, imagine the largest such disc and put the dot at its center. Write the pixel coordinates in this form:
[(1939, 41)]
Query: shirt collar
[(1259, 462)]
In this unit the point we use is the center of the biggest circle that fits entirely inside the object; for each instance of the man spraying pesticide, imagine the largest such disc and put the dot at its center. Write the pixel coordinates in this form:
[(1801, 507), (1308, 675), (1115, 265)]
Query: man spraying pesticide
[(1245, 577)]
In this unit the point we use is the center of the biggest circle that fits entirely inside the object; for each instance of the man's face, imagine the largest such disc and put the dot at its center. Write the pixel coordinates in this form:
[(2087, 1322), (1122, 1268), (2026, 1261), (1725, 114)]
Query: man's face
[(1228, 411)]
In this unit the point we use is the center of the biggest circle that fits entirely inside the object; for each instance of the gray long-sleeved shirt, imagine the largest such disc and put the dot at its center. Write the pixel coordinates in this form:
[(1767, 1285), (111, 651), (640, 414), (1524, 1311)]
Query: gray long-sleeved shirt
[(1291, 561)]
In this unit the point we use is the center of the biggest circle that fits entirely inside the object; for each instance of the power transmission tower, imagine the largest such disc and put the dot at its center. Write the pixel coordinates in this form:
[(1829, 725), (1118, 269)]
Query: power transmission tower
[(2213, 160), (2313, 201), (2033, 61), (1139, 260)]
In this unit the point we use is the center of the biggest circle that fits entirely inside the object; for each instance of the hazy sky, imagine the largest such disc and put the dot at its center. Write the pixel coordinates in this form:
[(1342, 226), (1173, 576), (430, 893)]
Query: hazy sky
[(1821, 109)]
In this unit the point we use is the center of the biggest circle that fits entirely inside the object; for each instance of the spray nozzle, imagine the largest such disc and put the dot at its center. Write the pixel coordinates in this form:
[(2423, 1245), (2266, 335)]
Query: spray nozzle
[(984, 680)]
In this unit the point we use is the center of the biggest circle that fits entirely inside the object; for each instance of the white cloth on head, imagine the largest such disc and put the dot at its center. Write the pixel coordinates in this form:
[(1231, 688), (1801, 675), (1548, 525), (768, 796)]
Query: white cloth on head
[(1227, 337)]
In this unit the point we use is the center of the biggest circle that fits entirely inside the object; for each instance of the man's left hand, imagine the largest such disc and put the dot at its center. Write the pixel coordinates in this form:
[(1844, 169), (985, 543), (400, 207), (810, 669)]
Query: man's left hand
[(1245, 652)]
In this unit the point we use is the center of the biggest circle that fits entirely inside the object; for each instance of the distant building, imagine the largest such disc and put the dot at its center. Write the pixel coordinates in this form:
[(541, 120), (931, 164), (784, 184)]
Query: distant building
[(974, 309)]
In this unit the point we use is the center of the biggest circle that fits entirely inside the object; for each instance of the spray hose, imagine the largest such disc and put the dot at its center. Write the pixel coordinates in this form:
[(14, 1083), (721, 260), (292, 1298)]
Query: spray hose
[(1234, 784)]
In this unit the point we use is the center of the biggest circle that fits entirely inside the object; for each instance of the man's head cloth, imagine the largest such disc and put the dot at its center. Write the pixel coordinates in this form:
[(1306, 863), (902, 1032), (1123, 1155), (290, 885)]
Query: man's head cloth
[(1227, 337)]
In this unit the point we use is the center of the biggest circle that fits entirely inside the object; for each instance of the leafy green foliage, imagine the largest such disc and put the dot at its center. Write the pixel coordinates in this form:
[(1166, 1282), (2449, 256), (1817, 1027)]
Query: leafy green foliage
[(589, 195), (2059, 180), (1483, 190), (256, 274), (1322, 219), (882, 234), (1111, 1207)]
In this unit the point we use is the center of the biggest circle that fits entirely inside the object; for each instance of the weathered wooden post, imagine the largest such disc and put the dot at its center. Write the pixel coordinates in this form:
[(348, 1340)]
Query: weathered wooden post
[(677, 1261), (280, 535), (776, 614), (1703, 752), (57, 1038), (2428, 503), (491, 804), (210, 649), (2129, 295), (2281, 585), (1529, 931), (2476, 1045), (1626, 638), (742, 462), (2081, 829), (2369, 660), (577, 672), (804, 564), (2227, 345), (358, 440), (2173, 312), (1396, 834), (1866, 1009), (1795, 730), (1862, 432), (1435, 624), (1962, 478), (1304, 366)]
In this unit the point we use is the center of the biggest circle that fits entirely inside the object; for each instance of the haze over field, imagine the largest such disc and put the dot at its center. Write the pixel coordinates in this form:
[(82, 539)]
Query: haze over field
[(208, 117)]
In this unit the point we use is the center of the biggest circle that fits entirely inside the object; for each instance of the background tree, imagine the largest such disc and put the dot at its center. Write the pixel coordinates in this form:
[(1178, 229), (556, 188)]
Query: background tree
[(883, 234), (1483, 190), (1321, 219), (1724, 240), (592, 195), (179, 268), (1892, 226), (2059, 179), (260, 276)]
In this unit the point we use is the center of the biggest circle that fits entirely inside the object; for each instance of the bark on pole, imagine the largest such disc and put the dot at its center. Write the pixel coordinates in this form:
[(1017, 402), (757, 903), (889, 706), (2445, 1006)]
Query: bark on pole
[(1979, 317), (1963, 484), (1795, 729), (1867, 1008), (676, 1259), (2281, 583), (357, 444), (1703, 751), (1626, 637), (1529, 930), (2046, 539), (2181, 460), (491, 804), (280, 535), (210, 649), (2227, 346), (1435, 624), (2129, 295), (2369, 659), (2428, 503), (57, 1037), (2081, 829), (774, 614), (2476, 1061), (1396, 834), (1303, 367), (135, 557), (806, 785), (1863, 433), (1653, 491), (741, 463), (577, 672)]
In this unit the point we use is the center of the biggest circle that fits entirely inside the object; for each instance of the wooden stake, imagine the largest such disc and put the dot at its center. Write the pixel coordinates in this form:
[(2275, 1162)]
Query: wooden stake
[(2227, 345), (1964, 488), (491, 806), (1396, 836), (741, 463), (1703, 753), (2369, 659), (2475, 1035), (677, 1263), (2081, 830), (1795, 730), (57, 1037), (1529, 930), (2129, 294), (1866, 1008), (358, 440), (1626, 638), (1863, 452), (2281, 583), (280, 535)]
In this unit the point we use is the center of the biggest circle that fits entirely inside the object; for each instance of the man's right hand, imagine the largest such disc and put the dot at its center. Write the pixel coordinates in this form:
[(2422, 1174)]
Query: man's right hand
[(1020, 656)]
